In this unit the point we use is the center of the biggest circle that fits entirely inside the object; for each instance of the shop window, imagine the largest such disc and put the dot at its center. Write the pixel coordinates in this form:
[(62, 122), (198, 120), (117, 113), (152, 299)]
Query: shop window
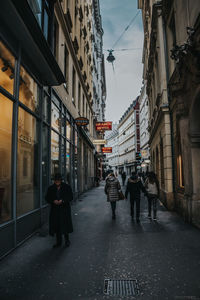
[(55, 167), (68, 125), (63, 157), (5, 158), (27, 163), (68, 159), (46, 108), (7, 63), (55, 117), (28, 91)]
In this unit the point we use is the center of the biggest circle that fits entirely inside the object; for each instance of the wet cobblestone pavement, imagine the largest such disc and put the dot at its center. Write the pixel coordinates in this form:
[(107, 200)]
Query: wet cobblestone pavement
[(163, 256)]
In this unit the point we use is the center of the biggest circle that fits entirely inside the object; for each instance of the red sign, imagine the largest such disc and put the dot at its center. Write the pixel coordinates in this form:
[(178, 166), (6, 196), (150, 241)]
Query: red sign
[(106, 149), (81, 121), (103, 126)]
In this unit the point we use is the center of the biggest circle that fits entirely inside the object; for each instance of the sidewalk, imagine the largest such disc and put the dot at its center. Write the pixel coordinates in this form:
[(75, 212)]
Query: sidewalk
[(163, 256)]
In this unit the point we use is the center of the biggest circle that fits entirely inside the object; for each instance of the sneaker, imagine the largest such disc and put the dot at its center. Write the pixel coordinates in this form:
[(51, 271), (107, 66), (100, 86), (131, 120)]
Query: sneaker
[(149, 216), (155, 219), (57, 245)]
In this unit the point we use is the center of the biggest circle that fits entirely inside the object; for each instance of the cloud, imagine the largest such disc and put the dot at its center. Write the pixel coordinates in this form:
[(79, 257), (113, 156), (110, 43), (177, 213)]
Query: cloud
[(124, 83)]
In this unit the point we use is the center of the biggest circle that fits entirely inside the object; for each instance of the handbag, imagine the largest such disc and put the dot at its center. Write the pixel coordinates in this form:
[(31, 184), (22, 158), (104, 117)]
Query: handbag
[(121, 195)]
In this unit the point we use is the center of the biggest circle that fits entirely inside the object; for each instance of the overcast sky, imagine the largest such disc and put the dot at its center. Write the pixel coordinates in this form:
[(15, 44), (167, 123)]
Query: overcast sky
[(124, 84)]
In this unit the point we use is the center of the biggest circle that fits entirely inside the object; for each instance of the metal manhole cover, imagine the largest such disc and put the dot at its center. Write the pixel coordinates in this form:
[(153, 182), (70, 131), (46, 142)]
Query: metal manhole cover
[(122, 287)]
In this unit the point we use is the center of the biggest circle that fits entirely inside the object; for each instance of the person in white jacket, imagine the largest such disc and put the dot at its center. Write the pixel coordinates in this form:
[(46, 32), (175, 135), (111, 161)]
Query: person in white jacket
[(152, 187)]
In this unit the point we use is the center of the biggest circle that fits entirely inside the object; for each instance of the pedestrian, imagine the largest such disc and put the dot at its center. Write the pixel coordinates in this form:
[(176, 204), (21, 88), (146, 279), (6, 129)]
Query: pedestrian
[(112, 188), (134, 187), (59, 196), (123, 177), (152, 187)]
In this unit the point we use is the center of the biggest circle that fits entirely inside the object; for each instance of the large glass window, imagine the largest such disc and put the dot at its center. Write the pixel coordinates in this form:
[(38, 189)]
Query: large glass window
[(55, 117), (54, 153), (46, 108), (27, 163), (7, 63), (68, 125), (36, 6), (68, 156), (28, 91), (5, 158)]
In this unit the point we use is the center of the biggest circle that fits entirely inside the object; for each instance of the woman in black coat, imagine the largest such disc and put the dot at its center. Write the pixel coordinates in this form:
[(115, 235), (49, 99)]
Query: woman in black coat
[(59, 196)]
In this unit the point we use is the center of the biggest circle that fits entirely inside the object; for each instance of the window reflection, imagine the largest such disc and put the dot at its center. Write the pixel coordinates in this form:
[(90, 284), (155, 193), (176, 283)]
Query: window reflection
[(55, 117), (5, 158), (27, 163), (68, 153), (54, 153), (28, 91), (46, 108), (68, 125), (7, 63), (45, 156)]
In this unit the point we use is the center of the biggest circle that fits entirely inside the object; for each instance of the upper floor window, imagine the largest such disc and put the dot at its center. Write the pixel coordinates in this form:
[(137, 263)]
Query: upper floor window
[(43, 11)]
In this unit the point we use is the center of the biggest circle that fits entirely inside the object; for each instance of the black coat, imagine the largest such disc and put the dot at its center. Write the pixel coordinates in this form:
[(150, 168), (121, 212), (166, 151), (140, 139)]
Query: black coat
[(134, 186), (60, 215)]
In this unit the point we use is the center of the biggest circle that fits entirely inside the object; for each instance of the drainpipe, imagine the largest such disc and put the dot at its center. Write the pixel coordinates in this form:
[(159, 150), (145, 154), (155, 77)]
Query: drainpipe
[(169, 100)]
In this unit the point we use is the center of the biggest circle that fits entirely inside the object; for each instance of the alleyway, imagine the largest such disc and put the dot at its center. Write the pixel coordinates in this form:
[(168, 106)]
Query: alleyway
[(164, 257)]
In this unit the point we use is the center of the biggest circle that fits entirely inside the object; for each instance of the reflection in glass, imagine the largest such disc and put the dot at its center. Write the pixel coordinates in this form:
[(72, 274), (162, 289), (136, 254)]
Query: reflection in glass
[(63, 158), (46, 108), (76, 169), (27, 163), (7, 63), (28, 91), (63, 127), (55, 117), (5, 158), (68, 155), (45, 165), (68, 127), (54, 153), (36, 6)]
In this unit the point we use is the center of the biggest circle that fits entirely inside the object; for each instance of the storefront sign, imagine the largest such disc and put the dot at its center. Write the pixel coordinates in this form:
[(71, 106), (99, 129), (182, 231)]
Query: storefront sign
[(81, 121), (99, 142), (103, 126), (106, 149)]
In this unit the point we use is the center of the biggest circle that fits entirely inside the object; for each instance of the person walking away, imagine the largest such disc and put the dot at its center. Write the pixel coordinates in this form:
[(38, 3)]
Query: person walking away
[(123, 178), (152, 187), (59, 195), (134, 187), (111, 189)]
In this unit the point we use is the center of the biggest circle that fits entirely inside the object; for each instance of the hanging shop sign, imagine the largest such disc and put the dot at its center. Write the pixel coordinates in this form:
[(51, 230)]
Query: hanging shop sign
[(99, 142), (106, 149), (103, 126), (81, 121)]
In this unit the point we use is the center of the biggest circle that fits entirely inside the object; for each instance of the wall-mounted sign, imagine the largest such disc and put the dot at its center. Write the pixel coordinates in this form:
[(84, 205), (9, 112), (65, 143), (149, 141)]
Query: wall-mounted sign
[(103, 126), (99, 142), (106, 149), (81, 121)]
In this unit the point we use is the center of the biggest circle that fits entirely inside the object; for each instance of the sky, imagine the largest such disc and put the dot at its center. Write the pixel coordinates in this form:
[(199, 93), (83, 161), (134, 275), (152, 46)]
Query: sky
[(124, 83)]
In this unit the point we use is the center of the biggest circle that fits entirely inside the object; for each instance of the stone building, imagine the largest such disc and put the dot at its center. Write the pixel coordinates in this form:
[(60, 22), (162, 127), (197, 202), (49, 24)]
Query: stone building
[(172, 34), (129, 139), (144, 134), (45, 84), (112, 139)]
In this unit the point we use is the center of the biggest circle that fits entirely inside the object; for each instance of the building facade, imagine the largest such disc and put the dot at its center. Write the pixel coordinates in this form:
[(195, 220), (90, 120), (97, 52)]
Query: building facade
[(129, 139), (45, 84), (174, 28), (144, 133), (112, 159)]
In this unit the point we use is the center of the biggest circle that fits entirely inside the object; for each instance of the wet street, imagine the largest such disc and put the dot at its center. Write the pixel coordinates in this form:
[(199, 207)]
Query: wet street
[(163, 256)]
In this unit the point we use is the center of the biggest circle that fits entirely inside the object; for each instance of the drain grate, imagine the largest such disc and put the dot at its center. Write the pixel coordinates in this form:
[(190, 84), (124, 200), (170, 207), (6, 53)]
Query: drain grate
[(120, 287)]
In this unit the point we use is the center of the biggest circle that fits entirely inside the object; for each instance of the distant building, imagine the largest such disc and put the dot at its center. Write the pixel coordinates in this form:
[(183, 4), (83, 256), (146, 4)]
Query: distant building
[(129, 139), (112, 159)]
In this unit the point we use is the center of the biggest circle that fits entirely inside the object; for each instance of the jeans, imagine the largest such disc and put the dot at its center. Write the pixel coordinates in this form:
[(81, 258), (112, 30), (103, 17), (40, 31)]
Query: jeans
[(132, 204), (113, 206), (152, 201)]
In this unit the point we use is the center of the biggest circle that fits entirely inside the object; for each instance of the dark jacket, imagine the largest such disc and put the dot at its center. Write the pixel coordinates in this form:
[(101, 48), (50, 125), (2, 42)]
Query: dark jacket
[(134, 186), (60, 215), (111, 188)]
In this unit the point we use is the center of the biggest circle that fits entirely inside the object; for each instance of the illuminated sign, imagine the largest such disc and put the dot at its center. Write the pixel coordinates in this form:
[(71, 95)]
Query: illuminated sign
[(81, 121), (106, 149), (103, 126)]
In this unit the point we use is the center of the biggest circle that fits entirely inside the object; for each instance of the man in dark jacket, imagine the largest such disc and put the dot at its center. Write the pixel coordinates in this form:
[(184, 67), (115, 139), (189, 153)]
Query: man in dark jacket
[(59, 196), (134, 187)]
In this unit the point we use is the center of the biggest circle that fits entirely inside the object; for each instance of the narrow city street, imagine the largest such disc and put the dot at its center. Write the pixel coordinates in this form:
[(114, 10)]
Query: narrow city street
[(162, 256)]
